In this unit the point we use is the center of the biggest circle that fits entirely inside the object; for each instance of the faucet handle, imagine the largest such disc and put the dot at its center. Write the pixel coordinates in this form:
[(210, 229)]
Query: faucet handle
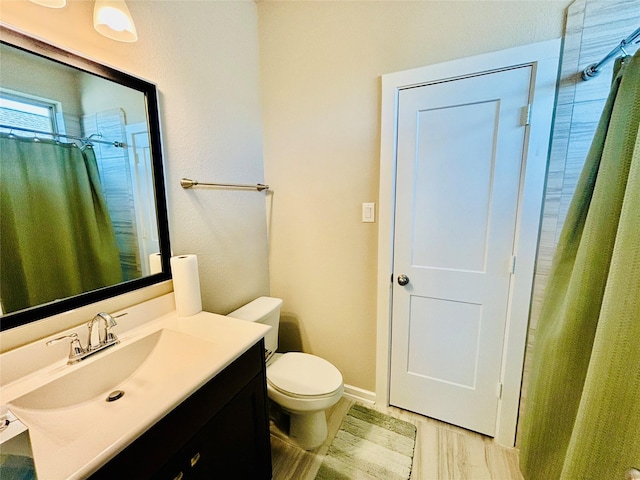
[(109, 320), (75, 348), (73, 336), (107, 336), (103, 329)]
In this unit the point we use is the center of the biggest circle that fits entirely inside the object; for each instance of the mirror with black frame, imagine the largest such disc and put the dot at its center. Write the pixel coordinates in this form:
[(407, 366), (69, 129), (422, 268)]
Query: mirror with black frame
[(82, 202)]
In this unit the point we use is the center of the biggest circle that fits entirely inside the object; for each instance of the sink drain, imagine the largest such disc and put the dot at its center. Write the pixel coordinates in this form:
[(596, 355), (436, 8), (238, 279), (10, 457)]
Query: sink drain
[(115, 395)]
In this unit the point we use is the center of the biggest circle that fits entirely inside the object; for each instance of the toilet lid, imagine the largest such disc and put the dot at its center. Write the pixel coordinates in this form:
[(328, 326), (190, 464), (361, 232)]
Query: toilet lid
[(304, 374)]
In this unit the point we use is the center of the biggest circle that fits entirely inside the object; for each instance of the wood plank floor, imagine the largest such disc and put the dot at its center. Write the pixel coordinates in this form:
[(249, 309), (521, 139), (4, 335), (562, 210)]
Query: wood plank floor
[(443, 452)]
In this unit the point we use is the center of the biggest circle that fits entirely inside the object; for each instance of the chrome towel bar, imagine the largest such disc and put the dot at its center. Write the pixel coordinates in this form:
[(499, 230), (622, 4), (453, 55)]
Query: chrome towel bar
[(188, 183)]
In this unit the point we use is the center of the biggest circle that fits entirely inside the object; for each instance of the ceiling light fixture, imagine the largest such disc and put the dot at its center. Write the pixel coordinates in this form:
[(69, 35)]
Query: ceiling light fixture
[(112, 19)]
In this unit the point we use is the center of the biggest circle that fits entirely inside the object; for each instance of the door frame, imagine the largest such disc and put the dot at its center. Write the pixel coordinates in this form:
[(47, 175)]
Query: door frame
[(544, 57)]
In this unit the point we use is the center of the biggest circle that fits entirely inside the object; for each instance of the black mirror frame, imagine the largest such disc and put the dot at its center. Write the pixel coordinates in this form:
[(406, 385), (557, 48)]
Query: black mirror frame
[(56, 54)]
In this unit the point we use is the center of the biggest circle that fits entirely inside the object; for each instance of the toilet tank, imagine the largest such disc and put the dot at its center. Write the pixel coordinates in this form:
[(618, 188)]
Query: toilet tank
[(263, 310)]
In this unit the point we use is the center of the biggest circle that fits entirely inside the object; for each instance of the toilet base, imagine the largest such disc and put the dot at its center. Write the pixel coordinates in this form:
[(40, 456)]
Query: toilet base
[(308, 430)]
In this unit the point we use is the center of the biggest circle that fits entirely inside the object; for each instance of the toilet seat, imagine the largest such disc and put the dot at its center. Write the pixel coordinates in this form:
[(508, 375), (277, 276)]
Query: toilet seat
[(303, 397), (301, 375)]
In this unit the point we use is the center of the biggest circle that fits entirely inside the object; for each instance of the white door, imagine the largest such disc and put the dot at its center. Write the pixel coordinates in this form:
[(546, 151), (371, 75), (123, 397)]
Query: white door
[(460, 150)]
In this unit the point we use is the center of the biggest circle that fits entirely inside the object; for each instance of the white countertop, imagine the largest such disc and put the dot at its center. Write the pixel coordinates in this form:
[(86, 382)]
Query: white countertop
[(90, 438)]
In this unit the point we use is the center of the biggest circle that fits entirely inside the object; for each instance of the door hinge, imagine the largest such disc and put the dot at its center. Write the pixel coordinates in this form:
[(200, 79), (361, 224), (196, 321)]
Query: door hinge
[(512, 268), (526, 115), (499, 391)]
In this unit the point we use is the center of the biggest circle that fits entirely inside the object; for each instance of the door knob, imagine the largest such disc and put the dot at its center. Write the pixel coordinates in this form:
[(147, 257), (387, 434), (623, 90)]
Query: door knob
[(403, 280)]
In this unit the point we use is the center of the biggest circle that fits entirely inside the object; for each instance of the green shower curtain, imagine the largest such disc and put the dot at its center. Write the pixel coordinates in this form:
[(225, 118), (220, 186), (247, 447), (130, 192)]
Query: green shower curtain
[(582, 415), (56, 236)]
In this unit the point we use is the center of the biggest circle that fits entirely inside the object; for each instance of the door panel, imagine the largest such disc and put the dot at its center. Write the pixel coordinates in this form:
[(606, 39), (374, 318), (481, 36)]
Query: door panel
[(450, 172), (460, 153), (455, 361)]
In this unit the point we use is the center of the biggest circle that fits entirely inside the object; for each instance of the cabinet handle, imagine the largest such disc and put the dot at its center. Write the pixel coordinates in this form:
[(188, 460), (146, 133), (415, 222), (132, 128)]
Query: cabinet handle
[(178, 476), (195, 459)]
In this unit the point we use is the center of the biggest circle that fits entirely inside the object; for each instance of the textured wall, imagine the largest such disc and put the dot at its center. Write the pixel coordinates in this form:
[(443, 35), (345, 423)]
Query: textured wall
[(320, 75)]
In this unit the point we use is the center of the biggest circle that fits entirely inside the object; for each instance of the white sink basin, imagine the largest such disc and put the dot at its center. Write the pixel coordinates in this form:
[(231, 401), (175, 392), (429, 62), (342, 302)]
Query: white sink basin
[(148, 371), (162, 360)]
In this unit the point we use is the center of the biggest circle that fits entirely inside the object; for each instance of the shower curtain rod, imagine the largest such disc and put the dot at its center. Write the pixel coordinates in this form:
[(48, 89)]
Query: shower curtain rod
[(72, 137), (594, 69)]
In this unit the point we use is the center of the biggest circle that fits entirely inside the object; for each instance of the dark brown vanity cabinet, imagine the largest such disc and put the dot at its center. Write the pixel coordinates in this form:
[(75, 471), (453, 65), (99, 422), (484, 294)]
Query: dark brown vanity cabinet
[(220, 432)]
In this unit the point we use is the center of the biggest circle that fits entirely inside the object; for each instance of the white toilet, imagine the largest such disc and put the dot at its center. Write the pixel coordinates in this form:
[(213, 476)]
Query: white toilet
[(303, 385)]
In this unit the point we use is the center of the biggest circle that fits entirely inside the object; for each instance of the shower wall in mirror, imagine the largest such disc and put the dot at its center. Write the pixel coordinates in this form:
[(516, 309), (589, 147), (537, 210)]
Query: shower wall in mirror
[(122, 184), (83, 210), (593, 29)]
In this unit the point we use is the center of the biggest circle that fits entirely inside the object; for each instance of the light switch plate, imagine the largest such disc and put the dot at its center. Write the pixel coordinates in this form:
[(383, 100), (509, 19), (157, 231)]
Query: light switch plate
[(368, 212)]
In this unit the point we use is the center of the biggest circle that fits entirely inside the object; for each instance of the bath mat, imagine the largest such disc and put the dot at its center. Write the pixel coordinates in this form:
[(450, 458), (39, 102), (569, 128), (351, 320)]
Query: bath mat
[(370, 445)]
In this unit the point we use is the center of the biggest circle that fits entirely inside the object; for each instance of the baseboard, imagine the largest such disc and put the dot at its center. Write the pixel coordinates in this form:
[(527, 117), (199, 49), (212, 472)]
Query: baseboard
[(359, 394)]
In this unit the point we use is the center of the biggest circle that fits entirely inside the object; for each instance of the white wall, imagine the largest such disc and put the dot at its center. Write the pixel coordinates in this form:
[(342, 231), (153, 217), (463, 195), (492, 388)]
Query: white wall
[(41, 80), (321, 64), (99, 96), (203, 56)]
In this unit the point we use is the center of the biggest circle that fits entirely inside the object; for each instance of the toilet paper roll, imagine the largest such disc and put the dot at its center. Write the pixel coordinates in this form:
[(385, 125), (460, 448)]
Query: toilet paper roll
[(155, 263), (186, 285)]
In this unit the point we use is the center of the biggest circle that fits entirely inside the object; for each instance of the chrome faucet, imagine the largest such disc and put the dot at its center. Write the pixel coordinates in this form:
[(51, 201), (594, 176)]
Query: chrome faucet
[(106, 338)]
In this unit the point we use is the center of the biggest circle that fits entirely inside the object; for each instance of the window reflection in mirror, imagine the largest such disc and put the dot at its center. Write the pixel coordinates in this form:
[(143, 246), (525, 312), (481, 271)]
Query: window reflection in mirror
[(82, 205)]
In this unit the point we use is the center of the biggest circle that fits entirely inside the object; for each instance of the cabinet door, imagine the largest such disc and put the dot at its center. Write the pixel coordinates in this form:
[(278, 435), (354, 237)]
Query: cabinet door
[(233, 443)]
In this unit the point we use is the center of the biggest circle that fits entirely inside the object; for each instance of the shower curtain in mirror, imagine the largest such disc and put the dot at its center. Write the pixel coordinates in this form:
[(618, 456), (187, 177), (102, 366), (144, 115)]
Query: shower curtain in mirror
[(56, 236), (582, 415)]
